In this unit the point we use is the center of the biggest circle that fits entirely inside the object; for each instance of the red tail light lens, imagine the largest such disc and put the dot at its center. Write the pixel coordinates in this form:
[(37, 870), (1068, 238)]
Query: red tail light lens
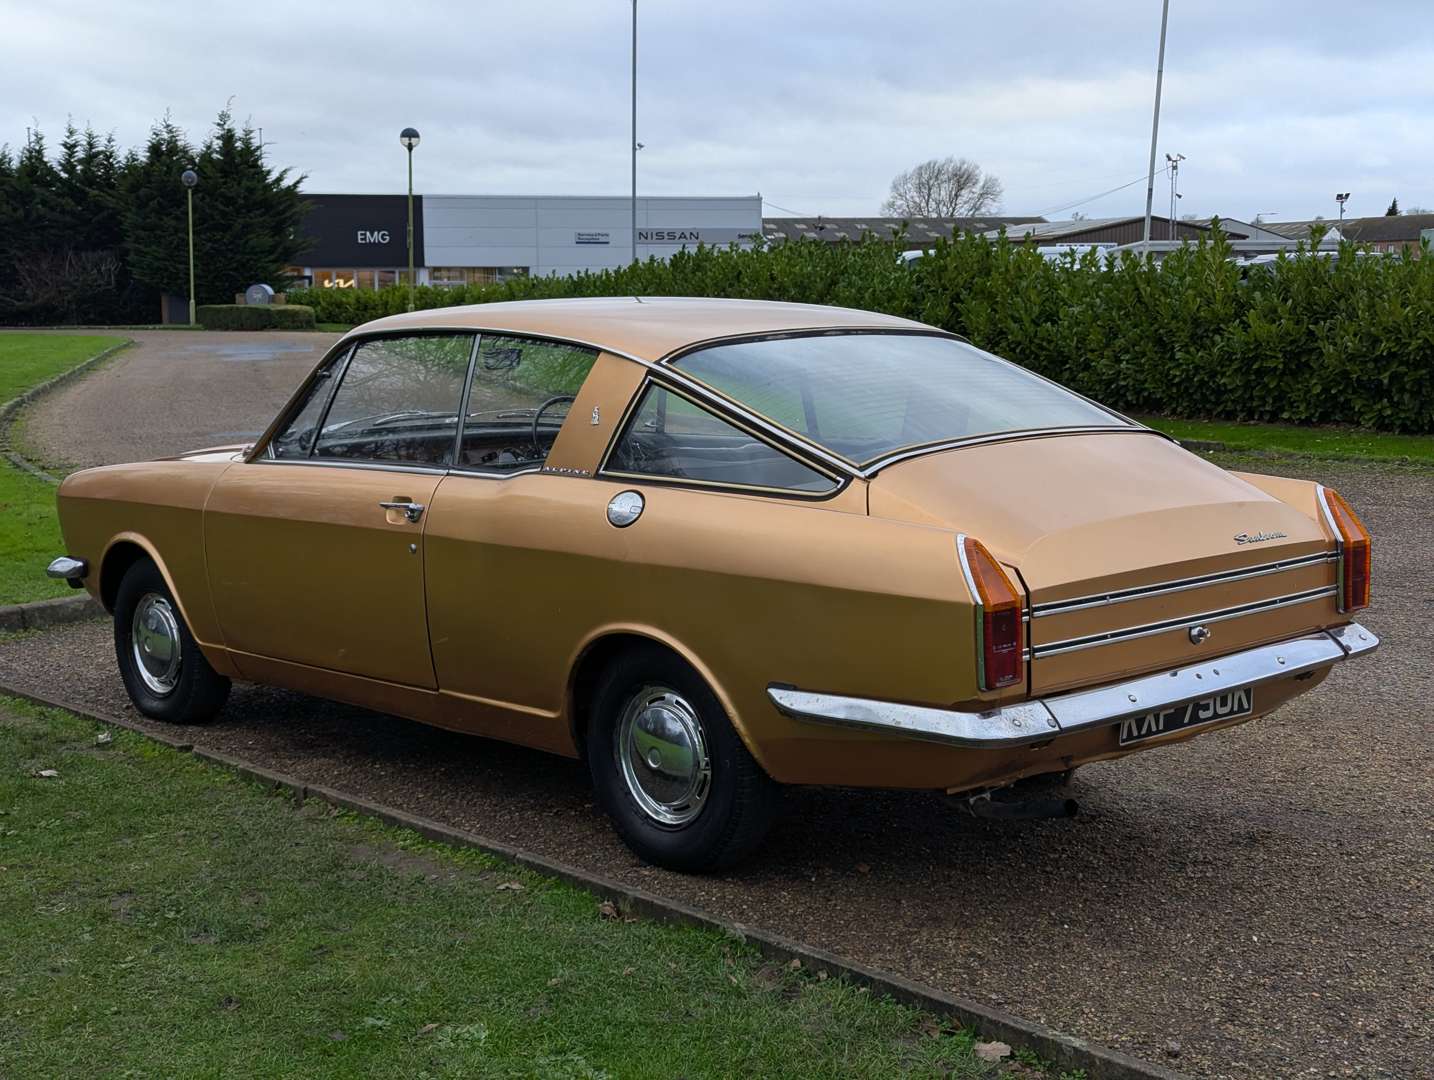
[(1353, 544), (999, 616)]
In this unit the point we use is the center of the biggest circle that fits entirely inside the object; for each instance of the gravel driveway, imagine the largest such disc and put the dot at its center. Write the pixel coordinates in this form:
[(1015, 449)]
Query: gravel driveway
[(171, 391), (1254, 904), (1261, 900)]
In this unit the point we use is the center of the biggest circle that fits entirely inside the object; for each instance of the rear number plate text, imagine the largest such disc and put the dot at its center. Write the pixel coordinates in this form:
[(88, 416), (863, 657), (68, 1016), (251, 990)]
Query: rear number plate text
[(1205, 711)]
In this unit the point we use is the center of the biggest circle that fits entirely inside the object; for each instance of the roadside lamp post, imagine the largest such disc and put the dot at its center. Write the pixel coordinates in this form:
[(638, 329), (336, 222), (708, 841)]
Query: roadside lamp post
[(1155, 128), (408, 137), (1341, 198), (189, 178), (636, 146)]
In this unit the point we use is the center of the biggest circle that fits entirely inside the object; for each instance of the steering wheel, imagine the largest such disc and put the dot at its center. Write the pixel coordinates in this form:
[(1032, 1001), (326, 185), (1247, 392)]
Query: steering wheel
[(544, 407)]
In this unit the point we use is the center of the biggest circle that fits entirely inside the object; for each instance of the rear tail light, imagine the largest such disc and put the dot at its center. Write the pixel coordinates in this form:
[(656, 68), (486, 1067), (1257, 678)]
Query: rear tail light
[(1352, 544), (1000, 625)]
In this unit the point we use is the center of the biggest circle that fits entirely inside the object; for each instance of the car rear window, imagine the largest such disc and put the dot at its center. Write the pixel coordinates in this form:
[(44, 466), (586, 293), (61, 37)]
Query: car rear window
[(864, 396)]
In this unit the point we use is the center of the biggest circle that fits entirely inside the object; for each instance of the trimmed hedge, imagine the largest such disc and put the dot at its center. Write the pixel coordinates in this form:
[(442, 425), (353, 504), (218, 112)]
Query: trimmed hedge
[(1307, 339), (255, 316)]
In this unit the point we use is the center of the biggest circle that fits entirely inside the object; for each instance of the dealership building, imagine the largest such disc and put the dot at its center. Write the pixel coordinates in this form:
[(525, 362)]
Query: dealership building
[(360, 241)]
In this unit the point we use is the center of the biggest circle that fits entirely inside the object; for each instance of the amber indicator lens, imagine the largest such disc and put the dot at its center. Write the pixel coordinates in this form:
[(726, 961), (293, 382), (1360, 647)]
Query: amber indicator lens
[(1355, 552), (1002, 628)]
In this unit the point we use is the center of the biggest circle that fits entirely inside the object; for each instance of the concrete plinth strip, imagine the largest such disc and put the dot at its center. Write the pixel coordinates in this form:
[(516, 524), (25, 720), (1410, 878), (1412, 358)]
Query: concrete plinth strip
[(42, 614), (1064, 1051)]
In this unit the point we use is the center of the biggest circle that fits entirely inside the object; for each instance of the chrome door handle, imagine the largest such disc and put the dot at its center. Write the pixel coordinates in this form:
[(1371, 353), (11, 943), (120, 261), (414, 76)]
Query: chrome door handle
[(411, 510)]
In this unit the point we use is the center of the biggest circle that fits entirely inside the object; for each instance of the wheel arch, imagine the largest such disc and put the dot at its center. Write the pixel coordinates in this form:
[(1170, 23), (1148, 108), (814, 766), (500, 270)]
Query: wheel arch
[(603, 646), (122, 552)]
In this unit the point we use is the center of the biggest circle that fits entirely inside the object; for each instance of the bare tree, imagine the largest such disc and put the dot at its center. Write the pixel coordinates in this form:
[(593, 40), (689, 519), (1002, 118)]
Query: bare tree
[(944, 187)]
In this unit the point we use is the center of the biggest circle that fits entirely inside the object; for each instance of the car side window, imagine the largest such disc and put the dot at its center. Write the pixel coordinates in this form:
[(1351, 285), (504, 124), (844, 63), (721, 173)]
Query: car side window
[(397, 401), (670, 436), (296, 440), (522, 388)]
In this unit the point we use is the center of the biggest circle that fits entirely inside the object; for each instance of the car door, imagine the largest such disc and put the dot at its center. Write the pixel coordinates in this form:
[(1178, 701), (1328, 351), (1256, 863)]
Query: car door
[(315, 547), (499, 517)]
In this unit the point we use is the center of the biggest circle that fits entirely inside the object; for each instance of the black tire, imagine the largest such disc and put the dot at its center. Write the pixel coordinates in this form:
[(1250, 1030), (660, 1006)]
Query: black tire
[(739, 801), (196, 692)]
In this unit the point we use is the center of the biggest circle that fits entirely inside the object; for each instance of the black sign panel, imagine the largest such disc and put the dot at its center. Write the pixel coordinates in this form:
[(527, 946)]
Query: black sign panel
[(352, 231)]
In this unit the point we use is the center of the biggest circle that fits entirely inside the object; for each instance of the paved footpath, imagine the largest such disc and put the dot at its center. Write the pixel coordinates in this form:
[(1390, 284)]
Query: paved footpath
[(1254, 904), (171, 391)]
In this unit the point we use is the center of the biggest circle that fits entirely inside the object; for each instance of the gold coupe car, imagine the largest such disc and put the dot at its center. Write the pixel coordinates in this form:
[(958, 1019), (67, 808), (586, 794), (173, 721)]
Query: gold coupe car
[(715, 547)]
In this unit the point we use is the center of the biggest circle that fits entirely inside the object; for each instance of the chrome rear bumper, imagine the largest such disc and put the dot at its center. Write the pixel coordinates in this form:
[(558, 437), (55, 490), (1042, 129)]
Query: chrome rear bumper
[(1043, 719)]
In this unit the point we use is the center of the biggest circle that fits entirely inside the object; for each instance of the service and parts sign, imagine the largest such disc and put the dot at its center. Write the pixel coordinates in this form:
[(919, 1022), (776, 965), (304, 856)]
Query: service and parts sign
[(355, 231)]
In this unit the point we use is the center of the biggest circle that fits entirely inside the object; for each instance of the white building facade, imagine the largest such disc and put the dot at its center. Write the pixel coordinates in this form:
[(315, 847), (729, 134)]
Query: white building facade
[(360, 241)]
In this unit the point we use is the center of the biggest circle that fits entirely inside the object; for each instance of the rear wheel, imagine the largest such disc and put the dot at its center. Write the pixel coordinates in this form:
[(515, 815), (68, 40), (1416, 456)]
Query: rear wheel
[(165, 673), (669, 768)]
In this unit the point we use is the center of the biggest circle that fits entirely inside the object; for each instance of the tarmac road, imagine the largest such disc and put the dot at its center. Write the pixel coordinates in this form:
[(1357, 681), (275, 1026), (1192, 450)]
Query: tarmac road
[(1256, 903)]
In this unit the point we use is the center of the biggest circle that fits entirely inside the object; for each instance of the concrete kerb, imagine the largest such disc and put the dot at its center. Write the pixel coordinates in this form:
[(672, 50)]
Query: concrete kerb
[(1064, 1051), (43, 614)]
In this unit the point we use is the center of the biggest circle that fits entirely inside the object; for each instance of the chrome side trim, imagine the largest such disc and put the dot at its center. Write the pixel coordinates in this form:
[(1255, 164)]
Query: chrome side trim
[(980, 610), (1044, 719), (67, 569), (1327, 517), (870, 468), (1160, 588), (1132, 633)]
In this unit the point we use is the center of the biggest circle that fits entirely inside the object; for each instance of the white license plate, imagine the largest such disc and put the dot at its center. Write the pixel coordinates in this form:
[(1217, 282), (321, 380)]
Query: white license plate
[(1232, 703)]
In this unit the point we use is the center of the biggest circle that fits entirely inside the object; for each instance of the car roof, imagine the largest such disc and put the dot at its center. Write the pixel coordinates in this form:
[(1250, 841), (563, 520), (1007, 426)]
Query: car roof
[(648, 328)]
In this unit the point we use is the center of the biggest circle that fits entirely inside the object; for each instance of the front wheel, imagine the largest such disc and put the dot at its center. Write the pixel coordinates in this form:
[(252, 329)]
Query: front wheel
[(669, 768), (165, 673)]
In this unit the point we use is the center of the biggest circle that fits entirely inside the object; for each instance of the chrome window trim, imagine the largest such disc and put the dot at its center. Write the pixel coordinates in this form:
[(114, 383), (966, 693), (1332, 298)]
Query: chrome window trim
[(839, 482), (1133, 633), (1140, 592), (1040, 720), (340, 463)]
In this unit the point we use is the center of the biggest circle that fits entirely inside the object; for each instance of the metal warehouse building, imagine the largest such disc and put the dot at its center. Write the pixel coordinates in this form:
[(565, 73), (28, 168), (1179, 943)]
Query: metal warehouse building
[(360, 241)]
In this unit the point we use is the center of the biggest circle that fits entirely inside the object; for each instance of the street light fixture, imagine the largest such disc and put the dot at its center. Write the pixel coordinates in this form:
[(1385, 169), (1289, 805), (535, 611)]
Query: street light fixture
[(408, 138), (189, 178), (1341, 198), (1173, 164)]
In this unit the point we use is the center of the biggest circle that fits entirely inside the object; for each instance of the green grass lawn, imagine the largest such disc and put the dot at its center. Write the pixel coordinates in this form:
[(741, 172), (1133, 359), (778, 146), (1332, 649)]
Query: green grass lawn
[(27, 360), (334, 327), (29, 538), (1316, 442), (29, 531), (165, 918)]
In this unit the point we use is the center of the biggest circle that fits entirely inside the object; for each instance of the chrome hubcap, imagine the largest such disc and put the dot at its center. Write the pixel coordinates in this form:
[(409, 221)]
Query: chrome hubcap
[(662, 754), (154, 641)]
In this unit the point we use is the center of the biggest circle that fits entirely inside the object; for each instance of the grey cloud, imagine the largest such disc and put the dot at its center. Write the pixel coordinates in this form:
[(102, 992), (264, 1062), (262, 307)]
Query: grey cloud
[(816, 105)]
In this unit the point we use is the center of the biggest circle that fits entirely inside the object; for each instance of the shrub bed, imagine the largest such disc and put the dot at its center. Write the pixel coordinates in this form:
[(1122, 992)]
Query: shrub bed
[(255, 316), (1307, 339)]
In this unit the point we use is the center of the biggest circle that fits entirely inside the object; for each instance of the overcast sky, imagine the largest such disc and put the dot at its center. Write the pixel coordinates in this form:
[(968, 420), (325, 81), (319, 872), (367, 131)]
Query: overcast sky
[(1276, 104)]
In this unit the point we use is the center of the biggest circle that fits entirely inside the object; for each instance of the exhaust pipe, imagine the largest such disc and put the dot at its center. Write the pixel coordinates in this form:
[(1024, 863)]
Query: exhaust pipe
[(983, 806)]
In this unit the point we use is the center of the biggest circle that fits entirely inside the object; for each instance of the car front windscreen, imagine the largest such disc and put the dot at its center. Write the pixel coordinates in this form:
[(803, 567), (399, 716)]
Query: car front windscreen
[(864, 396)]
